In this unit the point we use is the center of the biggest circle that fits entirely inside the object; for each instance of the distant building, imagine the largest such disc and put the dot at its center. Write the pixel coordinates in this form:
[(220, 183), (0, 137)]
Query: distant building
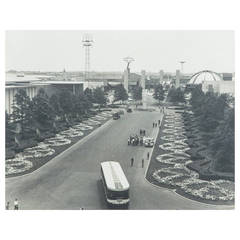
[(219, 87), (227, 76), (31, 84)]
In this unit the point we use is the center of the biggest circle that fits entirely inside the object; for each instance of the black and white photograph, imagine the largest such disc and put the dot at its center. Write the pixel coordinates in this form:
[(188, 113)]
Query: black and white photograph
[(119, 120)]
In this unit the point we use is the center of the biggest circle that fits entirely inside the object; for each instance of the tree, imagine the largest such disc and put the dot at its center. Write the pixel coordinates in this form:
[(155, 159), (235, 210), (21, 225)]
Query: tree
[(22, 110), (66, 102), (81, 104), (89, 94), (55, 104), (223, 145), (86, 103), (120, 93), (43, 112), (137, 93), (98, 96), (158, 93), (176, 95), (8, 131)]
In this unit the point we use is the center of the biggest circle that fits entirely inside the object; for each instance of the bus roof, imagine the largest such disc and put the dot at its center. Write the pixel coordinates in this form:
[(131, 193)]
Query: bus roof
[(114, 176)]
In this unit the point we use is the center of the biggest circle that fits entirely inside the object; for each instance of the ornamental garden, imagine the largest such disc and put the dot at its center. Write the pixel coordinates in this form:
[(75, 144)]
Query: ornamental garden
[(194, 150)]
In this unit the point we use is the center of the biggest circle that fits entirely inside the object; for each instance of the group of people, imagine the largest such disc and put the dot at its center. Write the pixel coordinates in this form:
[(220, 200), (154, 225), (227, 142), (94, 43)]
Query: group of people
[(156, 124), (15, 205), (162, 109), (135, 140)]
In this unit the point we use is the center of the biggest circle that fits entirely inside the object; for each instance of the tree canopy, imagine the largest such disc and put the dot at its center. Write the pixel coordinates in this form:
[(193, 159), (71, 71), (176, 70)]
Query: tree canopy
[(176, 95), (98, 96), (216, 117), (120, 93), (137, 93), (158, 92)]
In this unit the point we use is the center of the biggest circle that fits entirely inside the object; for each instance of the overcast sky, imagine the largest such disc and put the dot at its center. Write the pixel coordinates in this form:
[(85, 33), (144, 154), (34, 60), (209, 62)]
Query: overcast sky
[(152, 50)]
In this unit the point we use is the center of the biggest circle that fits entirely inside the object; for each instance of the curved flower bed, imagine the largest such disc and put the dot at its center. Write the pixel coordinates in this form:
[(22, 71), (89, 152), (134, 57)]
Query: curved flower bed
[(83, 127), (22, 162), (98, 117), (72, 133), (91, 122), (17, 165), (175, 158), (105, 114), (58, 140)]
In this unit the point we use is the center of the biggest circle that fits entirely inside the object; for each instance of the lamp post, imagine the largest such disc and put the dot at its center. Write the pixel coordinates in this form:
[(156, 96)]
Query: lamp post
[(182, 63)]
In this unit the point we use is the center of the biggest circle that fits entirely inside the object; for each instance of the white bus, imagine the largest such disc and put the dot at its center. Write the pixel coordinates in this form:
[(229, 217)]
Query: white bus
[(115, 183)]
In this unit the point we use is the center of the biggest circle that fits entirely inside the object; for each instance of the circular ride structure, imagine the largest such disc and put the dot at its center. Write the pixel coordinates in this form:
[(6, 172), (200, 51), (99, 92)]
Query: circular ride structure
[(205, 75)]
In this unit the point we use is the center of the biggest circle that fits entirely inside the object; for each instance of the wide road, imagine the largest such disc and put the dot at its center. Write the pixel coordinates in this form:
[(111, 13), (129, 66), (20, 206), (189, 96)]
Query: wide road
[(72, 179)]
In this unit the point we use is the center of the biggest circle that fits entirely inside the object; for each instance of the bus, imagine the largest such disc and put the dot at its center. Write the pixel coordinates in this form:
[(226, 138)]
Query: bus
[(115, 184)]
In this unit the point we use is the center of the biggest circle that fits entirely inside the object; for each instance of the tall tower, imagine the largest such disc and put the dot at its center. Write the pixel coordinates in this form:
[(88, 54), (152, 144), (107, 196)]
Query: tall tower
[(177, 83), (161, 73), (143, 78), (126, 76), (87, 43)]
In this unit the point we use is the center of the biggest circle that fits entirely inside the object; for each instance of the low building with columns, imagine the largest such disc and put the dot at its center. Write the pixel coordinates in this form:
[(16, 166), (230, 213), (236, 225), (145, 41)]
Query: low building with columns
[(31, 84)]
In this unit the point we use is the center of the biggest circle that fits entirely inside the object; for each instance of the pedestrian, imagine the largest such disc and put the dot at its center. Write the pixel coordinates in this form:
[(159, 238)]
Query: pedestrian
[(144, 132), (142, 163), (158, 122), (132, 161), (16, 207), (128, 141), (137, 140), (140, 132), (148, 155), (153, 124), (8, 206)]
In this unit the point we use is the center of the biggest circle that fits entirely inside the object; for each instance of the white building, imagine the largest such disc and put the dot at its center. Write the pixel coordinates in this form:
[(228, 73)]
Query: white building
[(220, 87)]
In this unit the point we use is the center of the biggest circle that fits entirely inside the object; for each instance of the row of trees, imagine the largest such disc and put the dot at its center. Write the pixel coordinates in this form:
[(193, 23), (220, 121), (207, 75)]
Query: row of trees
[(216, 118), (120, 93), (158, 93), (176, 95), (43, 112)]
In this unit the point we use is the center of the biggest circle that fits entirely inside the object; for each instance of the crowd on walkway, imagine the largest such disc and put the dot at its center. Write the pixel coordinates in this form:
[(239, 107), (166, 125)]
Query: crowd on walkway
[(156, 124), (15, 205), (136, 140)]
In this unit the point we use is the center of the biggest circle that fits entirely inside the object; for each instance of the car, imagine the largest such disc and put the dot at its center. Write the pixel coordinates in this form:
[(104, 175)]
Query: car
[(148, 141), (129, 110), (116, 116)]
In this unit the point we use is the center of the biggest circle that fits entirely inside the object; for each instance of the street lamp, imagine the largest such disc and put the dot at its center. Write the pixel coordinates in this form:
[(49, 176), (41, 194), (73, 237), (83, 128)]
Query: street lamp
[(182, 62)]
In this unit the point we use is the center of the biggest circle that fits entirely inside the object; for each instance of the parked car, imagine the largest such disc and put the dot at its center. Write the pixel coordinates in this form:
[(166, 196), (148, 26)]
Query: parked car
[(116, 116), (148, 141)]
